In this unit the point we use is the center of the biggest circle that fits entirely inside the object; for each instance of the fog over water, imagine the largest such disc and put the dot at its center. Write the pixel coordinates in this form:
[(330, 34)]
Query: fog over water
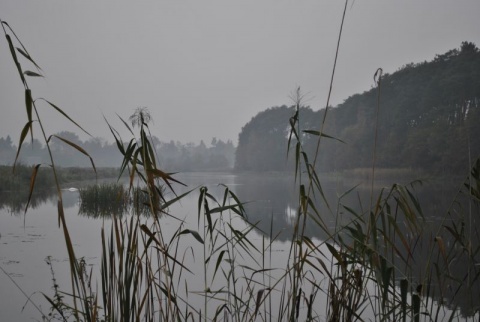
[(205, 68)]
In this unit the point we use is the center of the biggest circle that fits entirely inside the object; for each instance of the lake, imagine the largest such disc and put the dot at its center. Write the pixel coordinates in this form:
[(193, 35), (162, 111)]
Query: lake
[(271, 202)]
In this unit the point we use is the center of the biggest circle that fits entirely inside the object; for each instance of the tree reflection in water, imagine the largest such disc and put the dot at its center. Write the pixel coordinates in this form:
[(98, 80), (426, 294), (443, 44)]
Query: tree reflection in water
[(446, 241), (14, 202)]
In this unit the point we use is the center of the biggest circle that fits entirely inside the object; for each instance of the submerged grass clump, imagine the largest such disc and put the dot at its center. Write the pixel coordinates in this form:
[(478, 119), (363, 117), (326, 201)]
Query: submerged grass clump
[(113, 199), (104, 200)]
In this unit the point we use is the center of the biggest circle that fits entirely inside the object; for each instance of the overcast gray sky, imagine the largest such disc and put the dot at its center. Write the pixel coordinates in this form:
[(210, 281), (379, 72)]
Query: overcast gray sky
[(205, 67)]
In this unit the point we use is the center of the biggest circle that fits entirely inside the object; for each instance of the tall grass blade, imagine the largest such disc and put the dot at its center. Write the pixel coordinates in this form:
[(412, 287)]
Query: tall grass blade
[(403, 298), (416, 307)]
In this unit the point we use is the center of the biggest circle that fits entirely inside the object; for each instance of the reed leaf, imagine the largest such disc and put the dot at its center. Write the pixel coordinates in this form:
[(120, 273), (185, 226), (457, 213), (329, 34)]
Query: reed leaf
[(76, 147), (32, 74), (23, 135), (15, 59), (321, 134), (27, 56), (59, 110), (32, 185), (194, 233)]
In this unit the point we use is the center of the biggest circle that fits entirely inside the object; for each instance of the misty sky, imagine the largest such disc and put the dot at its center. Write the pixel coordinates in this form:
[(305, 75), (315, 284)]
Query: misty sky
[(205, 67)]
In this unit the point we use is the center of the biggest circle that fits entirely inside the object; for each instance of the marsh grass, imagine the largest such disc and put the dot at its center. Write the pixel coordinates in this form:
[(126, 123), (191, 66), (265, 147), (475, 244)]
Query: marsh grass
[(109, 199), (366, 268), (20, 179), (104, 200)]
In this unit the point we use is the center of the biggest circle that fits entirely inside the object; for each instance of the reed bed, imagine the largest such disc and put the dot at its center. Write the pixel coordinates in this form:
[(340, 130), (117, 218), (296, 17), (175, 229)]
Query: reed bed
[(365, 269), (113, 199), (104, 200)]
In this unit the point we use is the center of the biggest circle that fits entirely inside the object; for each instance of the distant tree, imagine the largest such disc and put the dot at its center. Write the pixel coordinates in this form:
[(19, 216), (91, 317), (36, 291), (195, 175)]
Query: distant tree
[(214, 142), (468, 47), (33, 152), (103, 153), (221, 154), (67, 135), (65, 155), (7, 151)]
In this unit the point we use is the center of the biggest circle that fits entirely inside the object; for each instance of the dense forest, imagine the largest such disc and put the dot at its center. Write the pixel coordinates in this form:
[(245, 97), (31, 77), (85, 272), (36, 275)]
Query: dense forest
[(172, 156), (428, 119)]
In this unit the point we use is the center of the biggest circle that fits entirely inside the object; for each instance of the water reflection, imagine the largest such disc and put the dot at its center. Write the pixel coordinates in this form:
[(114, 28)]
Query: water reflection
[(69, 198), (446, 240), (14, 202), (451, 221), (272, 203)]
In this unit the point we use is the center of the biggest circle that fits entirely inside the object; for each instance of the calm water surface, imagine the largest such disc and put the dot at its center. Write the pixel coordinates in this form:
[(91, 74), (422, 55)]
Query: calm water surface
[(26, 241)]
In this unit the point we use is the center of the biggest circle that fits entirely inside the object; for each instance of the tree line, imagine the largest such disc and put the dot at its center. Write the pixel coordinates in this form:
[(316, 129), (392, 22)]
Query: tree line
[(172, 156), (428, 119)]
